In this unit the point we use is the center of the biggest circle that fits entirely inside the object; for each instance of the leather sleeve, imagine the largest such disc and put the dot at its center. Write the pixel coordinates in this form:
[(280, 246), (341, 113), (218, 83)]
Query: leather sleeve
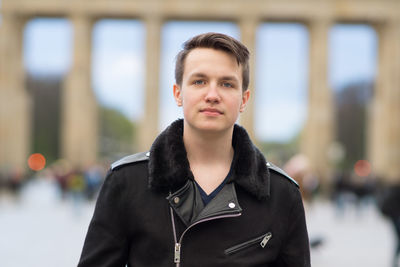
[(106, 241), (296, 249)]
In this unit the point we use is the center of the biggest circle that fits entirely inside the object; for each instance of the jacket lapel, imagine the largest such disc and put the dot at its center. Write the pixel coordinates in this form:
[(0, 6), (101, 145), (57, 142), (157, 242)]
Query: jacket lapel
[(169, 168)]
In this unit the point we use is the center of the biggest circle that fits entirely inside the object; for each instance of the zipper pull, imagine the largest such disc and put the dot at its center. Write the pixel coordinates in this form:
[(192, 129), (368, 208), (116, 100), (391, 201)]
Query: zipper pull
[(177, 258), (265, 240)]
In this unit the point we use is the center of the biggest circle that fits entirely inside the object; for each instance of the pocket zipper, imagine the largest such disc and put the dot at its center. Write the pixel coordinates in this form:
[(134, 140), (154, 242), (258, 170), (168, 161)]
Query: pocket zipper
[(262, 240)]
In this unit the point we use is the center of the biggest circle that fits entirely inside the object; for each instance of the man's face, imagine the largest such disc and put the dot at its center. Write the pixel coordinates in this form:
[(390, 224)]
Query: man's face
[(211, 92)]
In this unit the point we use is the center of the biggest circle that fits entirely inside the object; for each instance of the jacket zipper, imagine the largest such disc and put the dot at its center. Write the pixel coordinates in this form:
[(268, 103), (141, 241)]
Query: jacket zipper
[(177, 248), (262, 240)]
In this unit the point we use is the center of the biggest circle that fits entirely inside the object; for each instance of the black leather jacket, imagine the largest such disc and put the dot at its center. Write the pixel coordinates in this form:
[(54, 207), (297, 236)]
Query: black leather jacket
[(150, 213)]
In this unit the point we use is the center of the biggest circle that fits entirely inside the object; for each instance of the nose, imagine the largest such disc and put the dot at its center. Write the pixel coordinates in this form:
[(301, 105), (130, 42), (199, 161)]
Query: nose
[(212, 94)]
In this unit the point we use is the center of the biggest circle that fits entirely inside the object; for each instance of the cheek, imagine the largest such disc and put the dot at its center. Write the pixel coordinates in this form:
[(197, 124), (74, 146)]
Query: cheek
[(188, 102), (236, 102), (190, 97)]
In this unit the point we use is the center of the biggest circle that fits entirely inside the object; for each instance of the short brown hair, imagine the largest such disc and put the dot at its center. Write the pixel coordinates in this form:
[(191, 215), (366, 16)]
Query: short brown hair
[(216, 41)]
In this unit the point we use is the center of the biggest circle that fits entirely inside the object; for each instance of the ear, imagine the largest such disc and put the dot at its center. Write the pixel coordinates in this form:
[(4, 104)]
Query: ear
[(245, 100), (177, 95)]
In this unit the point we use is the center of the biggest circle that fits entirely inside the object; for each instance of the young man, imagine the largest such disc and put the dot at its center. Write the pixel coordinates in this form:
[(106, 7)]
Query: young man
[(204, 195)]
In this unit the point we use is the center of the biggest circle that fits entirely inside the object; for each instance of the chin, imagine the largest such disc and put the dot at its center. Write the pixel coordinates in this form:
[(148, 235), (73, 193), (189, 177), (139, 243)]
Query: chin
[(210, 124), (213, 127)]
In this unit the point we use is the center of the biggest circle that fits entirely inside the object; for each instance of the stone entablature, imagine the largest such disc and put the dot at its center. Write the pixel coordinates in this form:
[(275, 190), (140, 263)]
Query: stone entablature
[(287, 10)]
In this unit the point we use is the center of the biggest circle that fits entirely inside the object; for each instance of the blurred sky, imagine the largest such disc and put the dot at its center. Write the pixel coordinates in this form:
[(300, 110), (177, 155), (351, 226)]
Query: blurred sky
[(282, 65)]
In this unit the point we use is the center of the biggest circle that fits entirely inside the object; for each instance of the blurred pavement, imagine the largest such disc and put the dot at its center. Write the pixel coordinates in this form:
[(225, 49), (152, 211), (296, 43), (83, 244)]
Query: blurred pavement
[(356, 237)]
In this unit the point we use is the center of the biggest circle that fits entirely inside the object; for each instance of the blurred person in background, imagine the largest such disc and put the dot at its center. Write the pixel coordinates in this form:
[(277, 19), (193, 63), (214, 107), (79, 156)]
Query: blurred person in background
[(62, 170), (204, 195), (93, 175), (353, 190), (76, 185), (11, 182), (389, 203), (298, 167), (16, 180)]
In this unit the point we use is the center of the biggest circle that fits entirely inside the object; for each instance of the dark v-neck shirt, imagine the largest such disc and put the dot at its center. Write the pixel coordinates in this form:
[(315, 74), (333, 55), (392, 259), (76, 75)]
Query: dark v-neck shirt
[(207, 198)]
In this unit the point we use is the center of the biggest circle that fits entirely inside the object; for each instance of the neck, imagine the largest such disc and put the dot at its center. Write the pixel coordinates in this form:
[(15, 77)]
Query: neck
[(210, 156), (204, 147)]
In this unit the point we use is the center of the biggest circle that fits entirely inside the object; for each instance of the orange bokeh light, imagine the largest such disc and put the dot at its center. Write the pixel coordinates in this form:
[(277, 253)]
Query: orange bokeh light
[(36, 161), (362, 168)]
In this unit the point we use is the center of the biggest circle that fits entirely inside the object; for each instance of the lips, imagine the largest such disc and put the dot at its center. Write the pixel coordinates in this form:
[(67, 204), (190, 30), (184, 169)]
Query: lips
[(211, 111)]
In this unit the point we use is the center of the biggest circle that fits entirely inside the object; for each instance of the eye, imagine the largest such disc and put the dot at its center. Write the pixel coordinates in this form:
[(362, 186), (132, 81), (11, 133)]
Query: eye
[(198, 82), (227, 84)]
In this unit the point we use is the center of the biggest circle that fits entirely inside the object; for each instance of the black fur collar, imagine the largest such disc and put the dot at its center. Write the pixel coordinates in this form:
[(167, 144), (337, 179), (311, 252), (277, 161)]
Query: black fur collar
[(169, 167)]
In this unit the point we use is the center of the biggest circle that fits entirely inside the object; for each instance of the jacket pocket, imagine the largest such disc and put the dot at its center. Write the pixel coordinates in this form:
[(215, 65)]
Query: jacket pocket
[(261, 241)]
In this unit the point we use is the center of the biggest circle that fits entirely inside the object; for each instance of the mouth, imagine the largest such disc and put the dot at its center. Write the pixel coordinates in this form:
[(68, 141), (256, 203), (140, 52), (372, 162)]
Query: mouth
[(211, 111)]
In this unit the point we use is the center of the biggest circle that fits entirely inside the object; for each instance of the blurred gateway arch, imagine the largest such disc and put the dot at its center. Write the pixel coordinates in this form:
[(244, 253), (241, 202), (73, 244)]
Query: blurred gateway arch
[(79, 124)]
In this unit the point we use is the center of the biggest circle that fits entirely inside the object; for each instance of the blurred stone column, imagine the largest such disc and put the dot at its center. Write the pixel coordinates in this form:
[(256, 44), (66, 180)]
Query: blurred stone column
[(80, 110), (318, 132), (384, 142), (248, 30), (15, 103), (148, 129)]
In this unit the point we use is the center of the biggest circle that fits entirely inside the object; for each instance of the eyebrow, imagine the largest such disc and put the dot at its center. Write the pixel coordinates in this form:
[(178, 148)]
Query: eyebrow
[(223, 78), (198, 74), (229, 78)]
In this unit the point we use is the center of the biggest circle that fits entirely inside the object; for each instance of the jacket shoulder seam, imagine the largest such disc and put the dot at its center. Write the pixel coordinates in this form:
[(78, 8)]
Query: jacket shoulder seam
[(142, 156), (278, 170)]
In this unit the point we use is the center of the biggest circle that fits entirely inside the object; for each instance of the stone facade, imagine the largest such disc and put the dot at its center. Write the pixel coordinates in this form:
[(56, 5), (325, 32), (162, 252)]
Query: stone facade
[(79, 140)]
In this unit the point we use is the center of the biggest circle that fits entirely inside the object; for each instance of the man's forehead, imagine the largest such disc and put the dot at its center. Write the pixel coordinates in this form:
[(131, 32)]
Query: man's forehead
[(219, 59), (203, 51)]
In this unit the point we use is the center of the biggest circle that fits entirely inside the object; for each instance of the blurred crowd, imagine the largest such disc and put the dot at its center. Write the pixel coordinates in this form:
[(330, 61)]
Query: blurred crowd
[(348, 189), (71, 182)]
